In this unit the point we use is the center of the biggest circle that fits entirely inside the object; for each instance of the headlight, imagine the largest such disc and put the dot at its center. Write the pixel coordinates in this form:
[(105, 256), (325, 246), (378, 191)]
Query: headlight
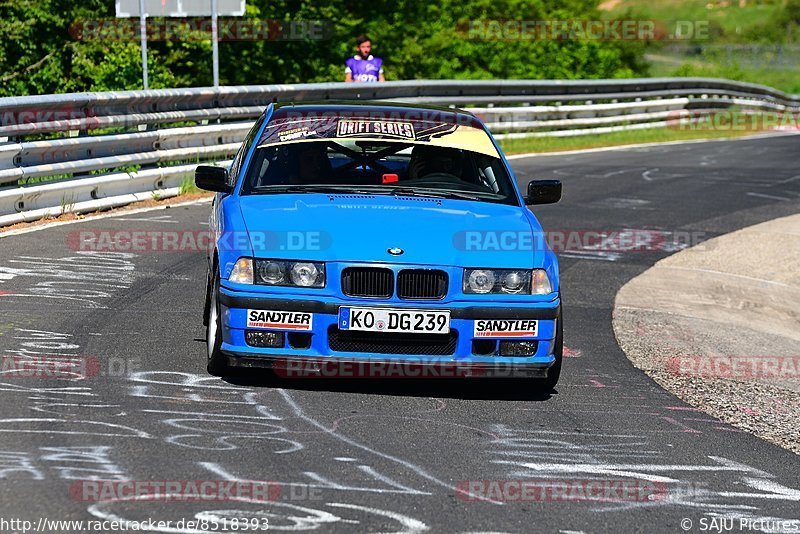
[(479, 281), (290, 273), (515, 282), (272, 272), (242, 272), (305, 274), (506, 281)]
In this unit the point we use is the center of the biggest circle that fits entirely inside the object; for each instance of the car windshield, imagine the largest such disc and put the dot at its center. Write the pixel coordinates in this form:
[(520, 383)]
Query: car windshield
[(377, 167)]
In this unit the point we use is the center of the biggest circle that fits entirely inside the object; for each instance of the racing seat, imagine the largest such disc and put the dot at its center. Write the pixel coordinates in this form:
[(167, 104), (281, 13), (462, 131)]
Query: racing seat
[(308, 163), (427, 160)]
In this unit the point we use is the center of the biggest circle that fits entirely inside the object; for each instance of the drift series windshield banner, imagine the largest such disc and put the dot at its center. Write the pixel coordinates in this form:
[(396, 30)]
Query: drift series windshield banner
[(446, 133)]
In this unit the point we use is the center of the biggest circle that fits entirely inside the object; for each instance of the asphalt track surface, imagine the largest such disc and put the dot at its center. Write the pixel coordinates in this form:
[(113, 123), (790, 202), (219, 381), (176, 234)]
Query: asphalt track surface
[(378, 456)]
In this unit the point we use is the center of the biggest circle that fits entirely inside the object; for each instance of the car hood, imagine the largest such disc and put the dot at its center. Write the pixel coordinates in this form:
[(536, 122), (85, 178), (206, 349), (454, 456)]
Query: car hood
[(362, 228)]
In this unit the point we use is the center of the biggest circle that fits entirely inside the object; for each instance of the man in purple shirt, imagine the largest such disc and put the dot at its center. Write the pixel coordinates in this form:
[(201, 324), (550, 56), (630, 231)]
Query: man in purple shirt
[(364, 67)]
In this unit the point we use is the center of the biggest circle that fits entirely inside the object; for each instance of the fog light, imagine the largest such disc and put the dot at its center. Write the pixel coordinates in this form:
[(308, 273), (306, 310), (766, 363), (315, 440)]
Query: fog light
[(484, 347), (299, 340), (258, 338), (518, 348)]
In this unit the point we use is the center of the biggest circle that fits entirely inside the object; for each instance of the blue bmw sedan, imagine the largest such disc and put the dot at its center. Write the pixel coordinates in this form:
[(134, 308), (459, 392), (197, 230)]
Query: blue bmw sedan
[(379, 240)]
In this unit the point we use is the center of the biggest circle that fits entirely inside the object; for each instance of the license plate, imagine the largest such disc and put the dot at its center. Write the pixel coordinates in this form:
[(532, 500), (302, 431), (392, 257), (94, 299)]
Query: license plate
[(394, 320)]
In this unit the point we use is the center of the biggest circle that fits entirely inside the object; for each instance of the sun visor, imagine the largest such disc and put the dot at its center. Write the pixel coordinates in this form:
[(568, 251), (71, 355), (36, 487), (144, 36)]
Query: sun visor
[(443, 133)]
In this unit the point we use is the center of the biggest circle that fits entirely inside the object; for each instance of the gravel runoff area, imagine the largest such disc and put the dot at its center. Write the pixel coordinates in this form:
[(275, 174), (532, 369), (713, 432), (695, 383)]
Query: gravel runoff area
[(718, 325)]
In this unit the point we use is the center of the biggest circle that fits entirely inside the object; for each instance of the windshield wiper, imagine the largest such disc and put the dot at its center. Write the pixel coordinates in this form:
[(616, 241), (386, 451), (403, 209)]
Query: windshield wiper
[(314, 189), (372, 190), (433, 193)]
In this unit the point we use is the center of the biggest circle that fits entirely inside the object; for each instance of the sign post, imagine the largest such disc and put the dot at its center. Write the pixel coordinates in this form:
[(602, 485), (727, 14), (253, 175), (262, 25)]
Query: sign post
[(215, 42), (143, 37), (180, 9)]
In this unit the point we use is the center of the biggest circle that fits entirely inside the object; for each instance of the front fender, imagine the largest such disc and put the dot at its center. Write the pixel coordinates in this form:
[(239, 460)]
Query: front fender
[(231, 238)]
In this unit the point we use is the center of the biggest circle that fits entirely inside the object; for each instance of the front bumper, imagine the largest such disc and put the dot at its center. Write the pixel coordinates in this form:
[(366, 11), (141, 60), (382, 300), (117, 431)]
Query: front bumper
[(323, 356)]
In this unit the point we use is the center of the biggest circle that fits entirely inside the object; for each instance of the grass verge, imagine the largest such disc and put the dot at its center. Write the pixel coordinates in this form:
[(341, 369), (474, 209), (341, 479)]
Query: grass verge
[(652, 135)]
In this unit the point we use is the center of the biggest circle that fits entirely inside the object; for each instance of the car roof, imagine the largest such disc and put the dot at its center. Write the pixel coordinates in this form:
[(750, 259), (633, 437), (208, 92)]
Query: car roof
[(398, 110)]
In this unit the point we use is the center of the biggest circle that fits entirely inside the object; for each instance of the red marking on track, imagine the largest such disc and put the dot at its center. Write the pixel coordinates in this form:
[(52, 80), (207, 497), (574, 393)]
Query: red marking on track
[(597, 383), (571, 353), (749, 411), (3, 293)]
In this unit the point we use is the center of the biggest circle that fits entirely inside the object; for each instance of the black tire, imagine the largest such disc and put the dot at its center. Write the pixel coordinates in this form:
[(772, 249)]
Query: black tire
[(554, 373), (207, 303), (217, 361)]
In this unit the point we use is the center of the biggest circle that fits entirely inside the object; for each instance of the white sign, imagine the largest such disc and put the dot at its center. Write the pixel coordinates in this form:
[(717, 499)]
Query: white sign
[(180, 8)]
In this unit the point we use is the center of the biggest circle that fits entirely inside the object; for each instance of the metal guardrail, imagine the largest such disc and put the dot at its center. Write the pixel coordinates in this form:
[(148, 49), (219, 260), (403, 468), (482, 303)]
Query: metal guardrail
[(146, 143)]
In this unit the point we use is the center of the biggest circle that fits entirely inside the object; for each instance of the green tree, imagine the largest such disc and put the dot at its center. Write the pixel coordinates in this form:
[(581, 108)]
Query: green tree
[(41, 51)]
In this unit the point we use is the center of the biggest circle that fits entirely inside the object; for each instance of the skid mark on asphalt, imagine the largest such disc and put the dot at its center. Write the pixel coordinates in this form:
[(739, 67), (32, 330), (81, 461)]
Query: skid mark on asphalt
[(442, 405), (769, 197), (572, 173), (621, 203), (535, 454), (321, 482), (597, 255), (607, 392), (85, 277), (335, 425), (416, 469), (683, 427), (788, 180)]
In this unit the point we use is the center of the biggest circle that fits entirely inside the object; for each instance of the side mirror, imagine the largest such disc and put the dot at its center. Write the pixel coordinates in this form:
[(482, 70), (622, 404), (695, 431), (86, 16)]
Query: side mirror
[(212, 179), (543, 192)]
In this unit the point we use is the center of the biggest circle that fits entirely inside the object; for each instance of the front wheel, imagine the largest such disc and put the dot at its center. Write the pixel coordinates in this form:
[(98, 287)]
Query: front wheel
[(217, 361), (554, 373)]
